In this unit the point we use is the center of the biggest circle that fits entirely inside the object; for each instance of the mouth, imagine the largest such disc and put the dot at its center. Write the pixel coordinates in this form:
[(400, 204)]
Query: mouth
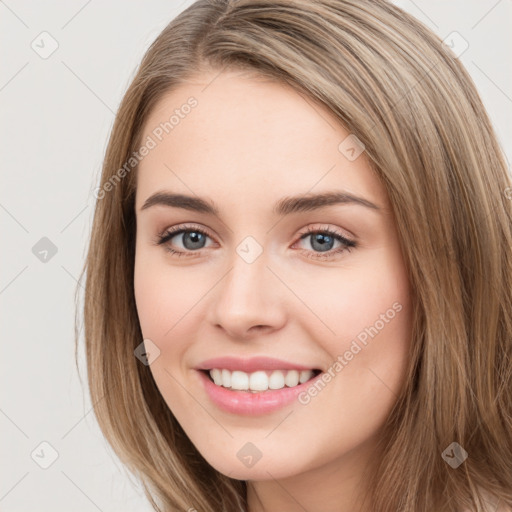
[(259, 381), (257, 385)]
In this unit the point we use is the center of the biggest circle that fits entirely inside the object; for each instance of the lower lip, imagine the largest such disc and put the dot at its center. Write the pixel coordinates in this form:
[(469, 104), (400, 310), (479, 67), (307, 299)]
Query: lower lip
[(252, 404)]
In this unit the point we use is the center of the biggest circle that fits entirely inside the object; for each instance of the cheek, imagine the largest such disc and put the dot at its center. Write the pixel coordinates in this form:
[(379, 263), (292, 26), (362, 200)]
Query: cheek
[(153, 296), (373, 337), (163, 294), (170, 306), (345, 301), (366, 310), (164, 300)]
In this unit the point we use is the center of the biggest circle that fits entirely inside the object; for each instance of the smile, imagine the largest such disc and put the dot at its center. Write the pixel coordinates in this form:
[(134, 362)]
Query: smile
[(254, 386)]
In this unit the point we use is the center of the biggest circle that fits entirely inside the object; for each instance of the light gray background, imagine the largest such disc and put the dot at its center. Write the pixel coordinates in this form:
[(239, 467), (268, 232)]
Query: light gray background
[(56, 117)]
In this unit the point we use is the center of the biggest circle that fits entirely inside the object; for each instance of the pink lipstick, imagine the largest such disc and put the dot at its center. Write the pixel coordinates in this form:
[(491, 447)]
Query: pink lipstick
[(265, 375)]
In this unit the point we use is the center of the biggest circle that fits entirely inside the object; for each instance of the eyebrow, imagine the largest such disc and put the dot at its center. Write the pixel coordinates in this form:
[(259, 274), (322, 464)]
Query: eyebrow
[(285, 206)]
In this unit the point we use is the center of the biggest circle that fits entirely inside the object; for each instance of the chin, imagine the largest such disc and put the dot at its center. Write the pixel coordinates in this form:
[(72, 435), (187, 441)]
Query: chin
[(262, 469)]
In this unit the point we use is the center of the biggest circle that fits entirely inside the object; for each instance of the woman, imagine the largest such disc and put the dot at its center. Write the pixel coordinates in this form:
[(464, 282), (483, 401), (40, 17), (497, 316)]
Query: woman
[(299, 277)]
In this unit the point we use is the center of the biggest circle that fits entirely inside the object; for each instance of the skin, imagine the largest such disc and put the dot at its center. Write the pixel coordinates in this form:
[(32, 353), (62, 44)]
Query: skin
[(248, 143)]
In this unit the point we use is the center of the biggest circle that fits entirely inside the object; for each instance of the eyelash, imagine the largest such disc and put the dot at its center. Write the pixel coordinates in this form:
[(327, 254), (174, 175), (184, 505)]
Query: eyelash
[(170, 233)]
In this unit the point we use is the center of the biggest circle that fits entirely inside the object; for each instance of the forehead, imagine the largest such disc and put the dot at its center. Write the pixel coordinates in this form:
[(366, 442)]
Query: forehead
[(247, 138)]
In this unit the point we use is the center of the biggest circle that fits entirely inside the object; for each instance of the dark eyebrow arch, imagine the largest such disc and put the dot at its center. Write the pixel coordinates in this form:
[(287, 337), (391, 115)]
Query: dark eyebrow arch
[(285, 206)]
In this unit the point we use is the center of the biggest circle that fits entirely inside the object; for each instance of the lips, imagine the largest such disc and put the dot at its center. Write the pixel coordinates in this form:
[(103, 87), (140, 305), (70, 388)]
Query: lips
[(254, 386), (251, 365)]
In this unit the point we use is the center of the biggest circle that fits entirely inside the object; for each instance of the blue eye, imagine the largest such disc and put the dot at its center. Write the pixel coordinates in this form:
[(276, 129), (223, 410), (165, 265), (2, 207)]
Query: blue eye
[(191, 239), (324, 239)]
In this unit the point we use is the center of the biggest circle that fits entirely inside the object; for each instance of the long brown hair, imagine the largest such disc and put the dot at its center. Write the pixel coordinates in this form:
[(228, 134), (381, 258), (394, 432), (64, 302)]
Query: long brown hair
[(391, 82)]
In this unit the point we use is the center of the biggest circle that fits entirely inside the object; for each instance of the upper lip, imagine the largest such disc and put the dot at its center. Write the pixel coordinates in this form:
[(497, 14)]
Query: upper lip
[(251, 364)]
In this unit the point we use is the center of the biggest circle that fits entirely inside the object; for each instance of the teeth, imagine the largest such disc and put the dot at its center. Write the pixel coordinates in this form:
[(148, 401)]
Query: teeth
[(258, 381), (305, 375), (276, 380), (292, 378), (239, 380), (216, 375), (261, 380), (226, 378)]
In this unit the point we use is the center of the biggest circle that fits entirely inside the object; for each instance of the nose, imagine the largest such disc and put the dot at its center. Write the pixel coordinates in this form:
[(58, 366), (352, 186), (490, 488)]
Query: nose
[(249, 300)]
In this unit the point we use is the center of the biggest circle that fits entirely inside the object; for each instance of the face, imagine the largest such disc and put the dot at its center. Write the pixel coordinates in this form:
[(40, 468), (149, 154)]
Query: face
[(240, 270)]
